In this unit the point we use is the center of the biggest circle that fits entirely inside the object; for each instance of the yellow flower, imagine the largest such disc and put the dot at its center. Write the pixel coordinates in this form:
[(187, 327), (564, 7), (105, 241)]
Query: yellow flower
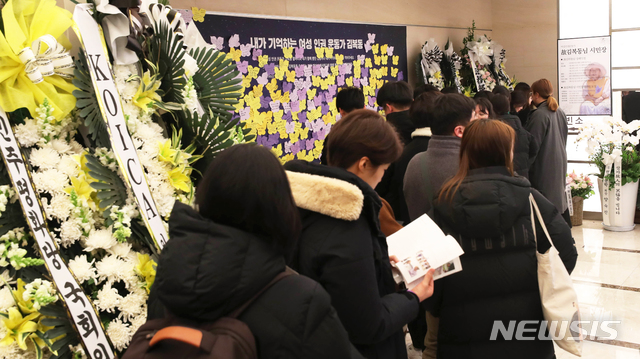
[(438, 75), (19, 328), (81, 160), (146, 96), (166, 153), (146, 269), (179, 180), (26, 306), (81, 186)]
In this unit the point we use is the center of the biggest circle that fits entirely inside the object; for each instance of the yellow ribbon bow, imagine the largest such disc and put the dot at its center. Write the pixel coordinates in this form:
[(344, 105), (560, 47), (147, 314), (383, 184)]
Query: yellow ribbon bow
[(34, 62)]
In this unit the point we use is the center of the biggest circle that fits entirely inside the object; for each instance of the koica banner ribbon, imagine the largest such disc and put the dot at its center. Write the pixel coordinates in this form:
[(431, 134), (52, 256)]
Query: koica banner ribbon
[(92, 42), (81, 310)]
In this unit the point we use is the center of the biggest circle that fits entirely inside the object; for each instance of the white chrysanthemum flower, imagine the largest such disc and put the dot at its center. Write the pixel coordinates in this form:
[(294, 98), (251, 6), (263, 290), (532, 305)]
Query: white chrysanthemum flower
[(52, 181), (139, 320), (69, 166), (60, 146), (120, 334), (70, 232), (107, 299), (82, 268), (100, 239), (44, 158), (120, 250), (113, 269), (27, 134), (132, 304), (150, 132), (6, 299), (60, 206), (76, 148)]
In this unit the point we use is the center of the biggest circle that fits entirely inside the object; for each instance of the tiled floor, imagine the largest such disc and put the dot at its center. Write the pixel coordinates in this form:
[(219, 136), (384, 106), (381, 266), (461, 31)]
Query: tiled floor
[(607, 281)]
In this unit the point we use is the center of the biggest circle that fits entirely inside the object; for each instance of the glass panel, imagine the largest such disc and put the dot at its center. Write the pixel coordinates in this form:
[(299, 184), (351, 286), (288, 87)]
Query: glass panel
[(583, 18), (625, 51), (592, 204), (626, 79), (624, 14)]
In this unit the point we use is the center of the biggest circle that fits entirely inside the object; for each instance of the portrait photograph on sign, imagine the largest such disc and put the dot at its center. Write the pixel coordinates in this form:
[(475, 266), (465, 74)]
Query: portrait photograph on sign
[(584, 76)]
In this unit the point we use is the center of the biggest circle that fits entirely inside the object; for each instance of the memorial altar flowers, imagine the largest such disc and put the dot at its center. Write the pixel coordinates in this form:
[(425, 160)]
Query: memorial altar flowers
[(95, 154)]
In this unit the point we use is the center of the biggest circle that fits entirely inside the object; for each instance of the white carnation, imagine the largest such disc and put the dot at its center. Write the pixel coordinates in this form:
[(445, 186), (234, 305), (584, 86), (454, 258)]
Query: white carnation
[(82, 268), (44, 158), (60, 207), (120, 334), (60, 146), (27, 134), (100, 239), (120, 250), (114, 269), (132, 305), (52, 181), (6, 299), (107, 298), (70, 232), (69, 166), (151, 132), (139, 321), (76, 148)]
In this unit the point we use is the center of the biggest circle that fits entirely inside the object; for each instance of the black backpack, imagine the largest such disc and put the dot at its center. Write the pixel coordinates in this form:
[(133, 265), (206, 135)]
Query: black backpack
[(174, 337)]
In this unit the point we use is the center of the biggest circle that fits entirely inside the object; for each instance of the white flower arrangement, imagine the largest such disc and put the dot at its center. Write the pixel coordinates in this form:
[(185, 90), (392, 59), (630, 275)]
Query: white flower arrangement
[(431, 56)]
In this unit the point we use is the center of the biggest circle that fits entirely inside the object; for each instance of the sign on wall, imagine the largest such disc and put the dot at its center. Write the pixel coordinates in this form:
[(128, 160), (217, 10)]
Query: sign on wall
[(292, 71), (584, 76)]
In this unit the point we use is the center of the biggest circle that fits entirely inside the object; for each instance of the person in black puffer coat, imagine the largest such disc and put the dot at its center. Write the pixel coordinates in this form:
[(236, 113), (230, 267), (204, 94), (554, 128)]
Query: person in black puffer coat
[(486, 208), (220, 256), (342, 246), (526, 147)]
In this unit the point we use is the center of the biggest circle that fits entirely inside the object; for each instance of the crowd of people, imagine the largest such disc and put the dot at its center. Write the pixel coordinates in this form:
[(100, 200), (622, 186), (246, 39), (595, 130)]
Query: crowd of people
[(470, 164)]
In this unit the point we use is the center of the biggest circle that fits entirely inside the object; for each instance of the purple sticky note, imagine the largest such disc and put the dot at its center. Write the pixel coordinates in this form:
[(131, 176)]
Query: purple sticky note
[(218, 42), (390, 50), (356, 82), (295, 106), (246, 49), (243, 66), (372, 101), (299, 83), (299, 70), (311, 105), (287, 147), (316, 70), (322, 134), (365, 72), (274, 139), (308, 70), (302, 117), (287, 87), (307, 84), (400, 76), (325, 109), (291, 127), (317, 101), (340, 80), (286, 107), (309, 144), (263, 79), (364, 81), (264, 101), (372, 37), (302, 94), (271, 69), (332, 92), (287, 117), (295, 148), (245, 113), (256, 53), (361, 58), (324, 71), (299, 52), (234, 41), (367, 46), (275, 106)]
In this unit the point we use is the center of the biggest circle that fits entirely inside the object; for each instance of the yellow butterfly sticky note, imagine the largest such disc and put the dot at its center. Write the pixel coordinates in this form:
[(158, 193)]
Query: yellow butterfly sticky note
[(288, 52), (349, 81), (198, 14), (384, 71), (261, 124), (276, 95), (367, 62), (326, 118), (385, 59), (285, 97), (240, 105), (291, 76), (273, 85), (294, 137), (328, 53), (324, 84), (284, 64), (377, 60), (286, 158), (316, 81), (357, 71), (262, 60), (303, 105), (331, 80), (272, 127), (234, 54), (375, 48), (302, 155), (311, 93), (304, 133), (280, 73), (335, 70), (315, 113), (339, 59), (253, 72), (277, 116), (332, 105), (383, 49), (357, 63), (396, 58), (246, 82), (277, 150), (257, 90), (394, 72), (317, 150), (320, 52), (380, 84)]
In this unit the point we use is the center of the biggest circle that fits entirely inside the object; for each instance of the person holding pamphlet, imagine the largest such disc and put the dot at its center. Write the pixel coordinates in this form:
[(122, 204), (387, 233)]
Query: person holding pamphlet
[(487, 209), (342, 246)]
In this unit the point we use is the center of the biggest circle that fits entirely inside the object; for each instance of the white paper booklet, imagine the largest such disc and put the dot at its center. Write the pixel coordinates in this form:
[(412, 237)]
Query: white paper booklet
[(422, 245)]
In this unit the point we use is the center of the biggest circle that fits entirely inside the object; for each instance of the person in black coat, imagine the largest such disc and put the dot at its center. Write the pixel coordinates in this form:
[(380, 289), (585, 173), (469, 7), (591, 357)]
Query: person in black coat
[(526, 147), (223, 254), (342, 246), (486, 208)]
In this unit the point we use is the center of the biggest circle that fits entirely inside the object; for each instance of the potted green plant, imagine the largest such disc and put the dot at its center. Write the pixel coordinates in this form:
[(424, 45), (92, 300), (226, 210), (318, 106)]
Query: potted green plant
[(581, 189)]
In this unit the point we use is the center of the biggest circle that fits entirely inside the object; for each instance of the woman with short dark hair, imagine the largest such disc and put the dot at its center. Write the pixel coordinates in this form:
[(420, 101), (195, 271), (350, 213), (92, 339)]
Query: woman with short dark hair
[(221, 255), (342, 246)]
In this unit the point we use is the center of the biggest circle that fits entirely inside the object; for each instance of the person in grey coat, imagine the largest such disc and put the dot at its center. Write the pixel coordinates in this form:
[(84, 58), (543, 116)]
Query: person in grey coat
[(428, 171), (548, 125)]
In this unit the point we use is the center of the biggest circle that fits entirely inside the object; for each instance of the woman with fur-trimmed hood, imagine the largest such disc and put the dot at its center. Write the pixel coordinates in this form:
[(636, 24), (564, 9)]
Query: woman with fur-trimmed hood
[(342, 246)]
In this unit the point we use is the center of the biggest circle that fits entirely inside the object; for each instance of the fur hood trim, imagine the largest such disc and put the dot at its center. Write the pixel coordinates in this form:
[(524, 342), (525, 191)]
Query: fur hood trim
[(329, 196), (421, 132)]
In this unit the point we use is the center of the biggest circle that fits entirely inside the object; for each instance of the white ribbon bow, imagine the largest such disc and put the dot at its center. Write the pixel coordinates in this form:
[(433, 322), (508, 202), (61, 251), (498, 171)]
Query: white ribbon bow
[(55, 60), (480, 51)]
